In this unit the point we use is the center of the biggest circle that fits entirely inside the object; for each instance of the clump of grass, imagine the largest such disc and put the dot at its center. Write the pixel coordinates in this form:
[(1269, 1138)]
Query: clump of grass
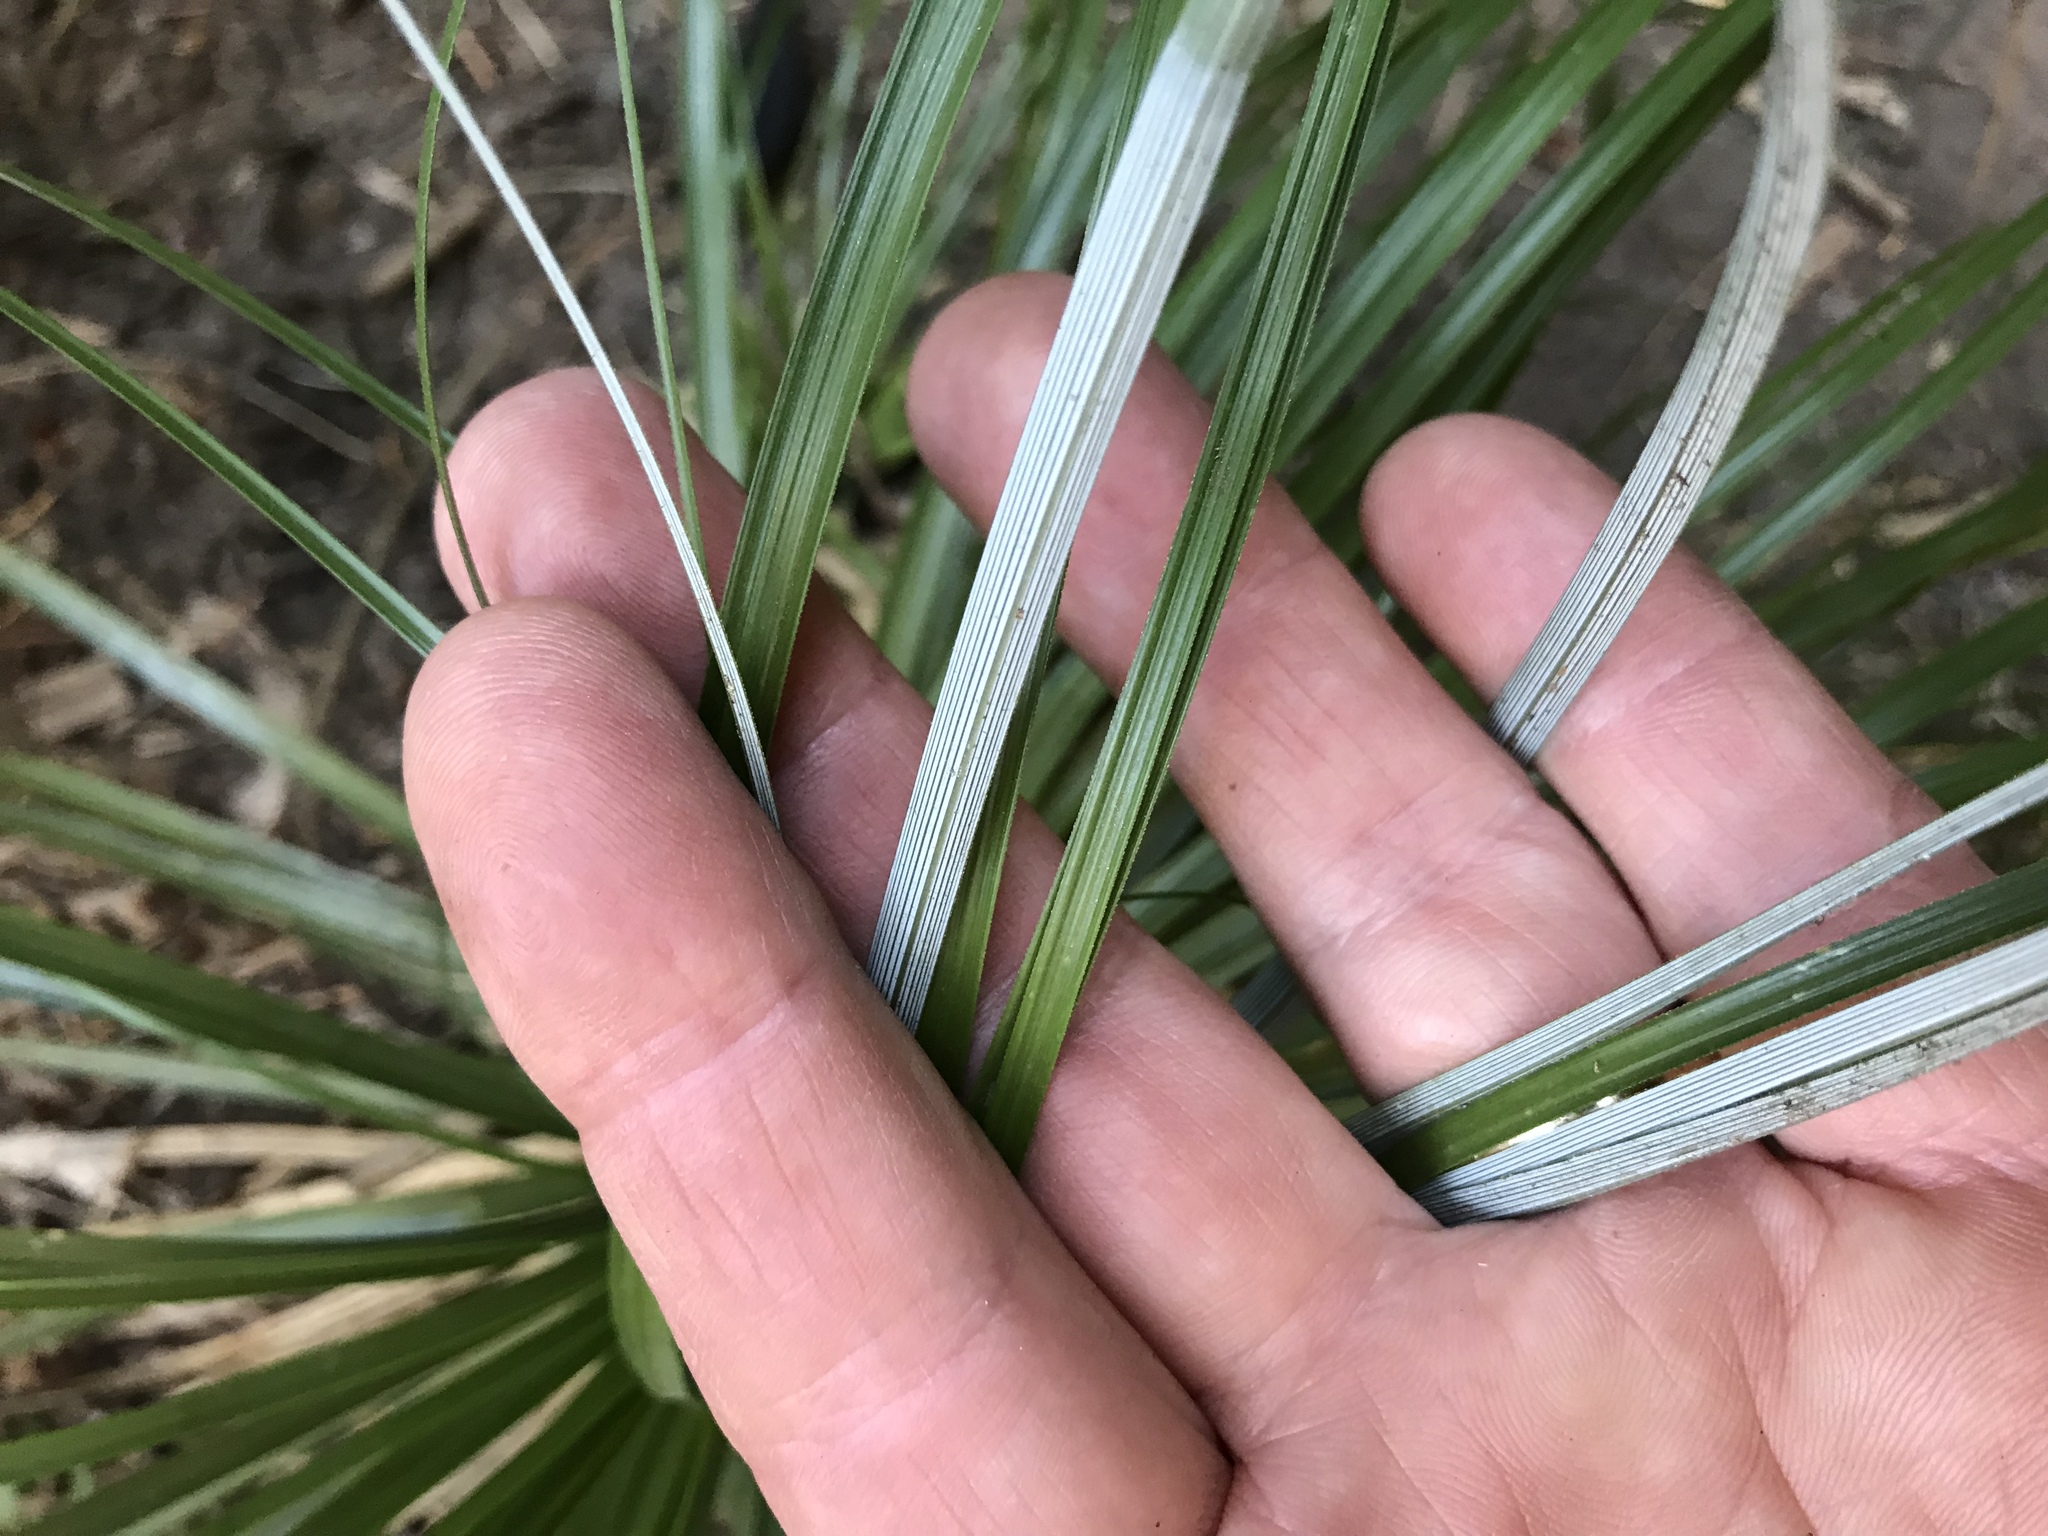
[(547, 1361)]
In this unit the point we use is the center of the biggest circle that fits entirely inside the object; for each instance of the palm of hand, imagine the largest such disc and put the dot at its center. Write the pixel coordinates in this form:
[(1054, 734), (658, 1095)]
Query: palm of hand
[(1213, 1312)]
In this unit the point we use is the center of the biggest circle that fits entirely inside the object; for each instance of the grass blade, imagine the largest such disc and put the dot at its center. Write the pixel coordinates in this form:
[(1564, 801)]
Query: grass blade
[(642, 1332), (1980, 768), (192, 687), (1053, 223), (966, 171), (1655, 126), (380, 926), (337, 365), (751, 755), (1813, 386), (1449, 202), (1239, 453), (1734, 344), (1640, 1056), (1066, 731), (424, 1442), (710, 225), (1860, 459), (422, 216), (928, 585), (1944, 682), (1805, 1072), (946, 1026), (346, 1097), (659, 1482), (572, 1446), (657, 304), (375, 593), (1493, 359), (836, 342), (32, 1333), (1279, 86), (606, 1498), (164, 1496), (350, 1370), (1155, 196), (1424, 60), (487, 1225), (158, 1071), (836, 118), (1815, 613), (1152, 23), (677, 1490), (202, 1006), (425, 1429), (1066, 118)]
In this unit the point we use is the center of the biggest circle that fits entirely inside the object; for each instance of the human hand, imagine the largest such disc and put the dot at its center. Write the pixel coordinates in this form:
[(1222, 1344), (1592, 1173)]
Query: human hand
[(1206, 1309)]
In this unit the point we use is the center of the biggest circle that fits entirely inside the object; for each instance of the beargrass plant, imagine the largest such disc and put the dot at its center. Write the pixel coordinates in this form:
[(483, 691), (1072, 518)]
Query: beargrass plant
[(1200, 166)]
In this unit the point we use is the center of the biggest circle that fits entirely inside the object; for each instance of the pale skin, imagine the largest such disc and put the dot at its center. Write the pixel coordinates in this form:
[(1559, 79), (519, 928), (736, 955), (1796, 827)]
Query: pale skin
[(1203, 1308)]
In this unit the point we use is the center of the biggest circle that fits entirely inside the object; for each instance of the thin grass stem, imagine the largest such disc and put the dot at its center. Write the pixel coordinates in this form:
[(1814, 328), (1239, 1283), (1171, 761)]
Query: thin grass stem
[(650, 260), (756, 758), (422, 347)]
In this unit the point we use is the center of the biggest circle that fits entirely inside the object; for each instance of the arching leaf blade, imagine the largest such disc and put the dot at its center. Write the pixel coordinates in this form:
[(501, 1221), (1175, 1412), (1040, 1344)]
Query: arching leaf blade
[(347, 567)]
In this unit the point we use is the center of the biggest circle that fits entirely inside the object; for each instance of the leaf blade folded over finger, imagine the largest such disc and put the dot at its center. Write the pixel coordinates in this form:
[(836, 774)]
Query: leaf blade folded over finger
[(1603, 1018), (1641, 1055), (1785, 1081), (1720, 375)]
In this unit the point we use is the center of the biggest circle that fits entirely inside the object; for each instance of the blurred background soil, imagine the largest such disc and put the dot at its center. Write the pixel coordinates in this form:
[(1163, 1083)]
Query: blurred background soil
[(277, 140)]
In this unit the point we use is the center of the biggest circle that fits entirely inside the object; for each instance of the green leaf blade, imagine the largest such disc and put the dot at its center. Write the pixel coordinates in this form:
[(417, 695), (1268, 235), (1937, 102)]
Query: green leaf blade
[(341, 562), (1241, 449), (1865, 455), (337, 365)]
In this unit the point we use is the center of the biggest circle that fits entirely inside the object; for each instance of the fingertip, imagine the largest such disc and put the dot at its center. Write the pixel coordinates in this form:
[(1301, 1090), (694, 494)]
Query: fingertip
[(487, 466), (564, 796), (1475, 503), (508, 700), (554, 502)]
